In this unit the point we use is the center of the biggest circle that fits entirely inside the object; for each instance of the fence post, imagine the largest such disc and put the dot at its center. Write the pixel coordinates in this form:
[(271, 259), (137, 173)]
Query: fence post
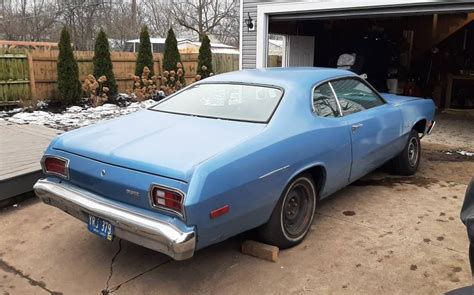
[(31, 76)]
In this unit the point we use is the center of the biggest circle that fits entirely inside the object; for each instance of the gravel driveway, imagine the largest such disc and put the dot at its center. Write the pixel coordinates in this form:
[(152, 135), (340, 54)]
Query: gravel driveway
[(381, 235)]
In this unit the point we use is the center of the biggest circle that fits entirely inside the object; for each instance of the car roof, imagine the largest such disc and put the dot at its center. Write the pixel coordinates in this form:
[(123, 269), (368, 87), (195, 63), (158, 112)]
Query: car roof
[(283, 77)]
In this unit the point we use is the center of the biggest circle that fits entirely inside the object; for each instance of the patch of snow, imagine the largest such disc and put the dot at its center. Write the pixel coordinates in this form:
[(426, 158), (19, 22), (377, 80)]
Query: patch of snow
[(74, 109), (16, 110), (465, 153), (75, 116)]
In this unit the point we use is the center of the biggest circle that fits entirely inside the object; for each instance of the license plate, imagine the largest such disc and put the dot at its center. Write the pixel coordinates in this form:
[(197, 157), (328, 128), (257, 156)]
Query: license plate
[(101, 227)]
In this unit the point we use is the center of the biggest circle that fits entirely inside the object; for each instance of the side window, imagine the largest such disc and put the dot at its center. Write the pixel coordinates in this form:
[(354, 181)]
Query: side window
[(354, 96), (324, 102)]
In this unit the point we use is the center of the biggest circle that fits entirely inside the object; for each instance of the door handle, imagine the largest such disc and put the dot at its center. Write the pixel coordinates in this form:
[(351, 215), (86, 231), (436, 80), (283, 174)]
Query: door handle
[(356, 126)]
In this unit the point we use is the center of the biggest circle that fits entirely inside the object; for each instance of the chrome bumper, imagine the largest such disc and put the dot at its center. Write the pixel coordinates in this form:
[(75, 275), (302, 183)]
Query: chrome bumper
[(149, 232), (430, 129)]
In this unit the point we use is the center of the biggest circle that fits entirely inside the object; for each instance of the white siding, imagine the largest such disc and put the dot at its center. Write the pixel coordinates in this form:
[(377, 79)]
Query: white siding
[(249, 39)]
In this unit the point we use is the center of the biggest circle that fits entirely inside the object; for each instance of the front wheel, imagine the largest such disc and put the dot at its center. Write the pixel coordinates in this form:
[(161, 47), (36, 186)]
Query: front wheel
[(293, 214), (407, 162)]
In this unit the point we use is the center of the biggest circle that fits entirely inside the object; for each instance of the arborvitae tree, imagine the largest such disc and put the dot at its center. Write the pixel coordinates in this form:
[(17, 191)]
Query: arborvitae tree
[(145, 56), (171, 56), (69, 86), (103, 64), (205, 58)]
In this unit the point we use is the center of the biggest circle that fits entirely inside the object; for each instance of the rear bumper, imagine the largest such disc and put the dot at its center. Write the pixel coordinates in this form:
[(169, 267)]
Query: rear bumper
[(156, 234)]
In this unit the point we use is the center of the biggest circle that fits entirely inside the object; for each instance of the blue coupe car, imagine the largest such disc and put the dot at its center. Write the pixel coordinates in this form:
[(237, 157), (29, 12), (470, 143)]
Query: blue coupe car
[(234, 152)]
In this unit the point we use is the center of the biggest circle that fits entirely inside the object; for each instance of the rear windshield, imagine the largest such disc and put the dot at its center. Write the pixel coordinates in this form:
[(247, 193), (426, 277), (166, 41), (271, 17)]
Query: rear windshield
[(241, 102)]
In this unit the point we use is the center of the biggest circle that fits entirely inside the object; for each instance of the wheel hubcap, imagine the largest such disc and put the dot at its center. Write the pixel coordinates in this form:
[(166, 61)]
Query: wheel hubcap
[(297, 210), (413, 152), (293, 207)]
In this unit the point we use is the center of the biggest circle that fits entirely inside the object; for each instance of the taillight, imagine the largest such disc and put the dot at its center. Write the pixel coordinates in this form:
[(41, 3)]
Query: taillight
[(55, 166), (167, 199)]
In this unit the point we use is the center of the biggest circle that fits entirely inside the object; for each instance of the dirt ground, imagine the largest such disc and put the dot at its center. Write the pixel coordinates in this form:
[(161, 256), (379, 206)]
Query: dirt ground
[(381, 235)]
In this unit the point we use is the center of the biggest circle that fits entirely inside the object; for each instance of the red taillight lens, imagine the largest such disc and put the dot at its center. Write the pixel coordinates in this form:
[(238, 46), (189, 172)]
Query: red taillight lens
[(57, 166), (167, 199)]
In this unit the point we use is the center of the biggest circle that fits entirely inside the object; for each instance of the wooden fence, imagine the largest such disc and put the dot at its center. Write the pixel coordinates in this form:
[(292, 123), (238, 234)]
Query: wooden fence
[(14, 78), (33, 75)]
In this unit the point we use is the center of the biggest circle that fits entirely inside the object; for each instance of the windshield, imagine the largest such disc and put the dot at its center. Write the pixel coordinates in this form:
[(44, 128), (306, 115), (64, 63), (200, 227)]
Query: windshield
[(241, 102)]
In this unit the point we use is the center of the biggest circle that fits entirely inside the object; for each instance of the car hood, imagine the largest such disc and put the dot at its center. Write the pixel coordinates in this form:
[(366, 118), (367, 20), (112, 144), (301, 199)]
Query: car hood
[(160, 143)]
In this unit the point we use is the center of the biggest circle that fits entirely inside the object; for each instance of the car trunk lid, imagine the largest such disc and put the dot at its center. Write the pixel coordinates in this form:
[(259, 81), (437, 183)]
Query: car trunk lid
[(398, 99), (155, 142)]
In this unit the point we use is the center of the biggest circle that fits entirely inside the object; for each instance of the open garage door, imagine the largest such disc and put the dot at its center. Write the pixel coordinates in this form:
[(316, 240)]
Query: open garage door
[(351, 9), (271, 12), (413, 50)]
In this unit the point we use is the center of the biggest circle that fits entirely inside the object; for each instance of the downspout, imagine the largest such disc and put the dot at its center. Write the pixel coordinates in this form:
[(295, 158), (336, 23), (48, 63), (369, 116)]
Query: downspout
[(241, 33)]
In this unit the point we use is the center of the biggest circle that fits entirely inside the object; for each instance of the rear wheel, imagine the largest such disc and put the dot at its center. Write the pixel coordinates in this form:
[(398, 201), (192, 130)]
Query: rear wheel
[(293, 214), (407, 162)]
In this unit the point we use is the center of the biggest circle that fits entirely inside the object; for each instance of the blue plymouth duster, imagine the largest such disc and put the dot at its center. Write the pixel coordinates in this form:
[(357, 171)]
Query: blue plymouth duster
[(234, 152)]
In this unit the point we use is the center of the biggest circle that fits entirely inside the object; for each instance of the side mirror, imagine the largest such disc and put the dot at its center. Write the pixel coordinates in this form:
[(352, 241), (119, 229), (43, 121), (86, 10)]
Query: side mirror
[(364, 76)]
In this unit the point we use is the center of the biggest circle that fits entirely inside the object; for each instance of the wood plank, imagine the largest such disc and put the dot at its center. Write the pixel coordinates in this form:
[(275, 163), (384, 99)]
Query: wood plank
[(31, 77), (260, 250), (21, 149), (32, 167), (18, 185)]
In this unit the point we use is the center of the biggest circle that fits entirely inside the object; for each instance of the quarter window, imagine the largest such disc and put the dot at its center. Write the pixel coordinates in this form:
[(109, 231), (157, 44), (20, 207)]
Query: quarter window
[(324, 102), (354, 96)]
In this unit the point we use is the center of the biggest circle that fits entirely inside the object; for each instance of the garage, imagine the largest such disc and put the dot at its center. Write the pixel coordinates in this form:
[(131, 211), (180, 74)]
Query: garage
[(415, 48)]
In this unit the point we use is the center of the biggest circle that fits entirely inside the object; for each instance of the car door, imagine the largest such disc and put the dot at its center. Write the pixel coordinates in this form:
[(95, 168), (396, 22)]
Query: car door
[(332, 142), (374, 125)]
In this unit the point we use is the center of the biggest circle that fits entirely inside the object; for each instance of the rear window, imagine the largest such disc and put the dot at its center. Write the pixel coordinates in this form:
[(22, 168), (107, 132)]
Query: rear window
[(241, 102)]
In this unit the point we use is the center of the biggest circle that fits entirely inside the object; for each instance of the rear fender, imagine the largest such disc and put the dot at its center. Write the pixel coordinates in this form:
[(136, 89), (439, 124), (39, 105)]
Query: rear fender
[(319, 183)]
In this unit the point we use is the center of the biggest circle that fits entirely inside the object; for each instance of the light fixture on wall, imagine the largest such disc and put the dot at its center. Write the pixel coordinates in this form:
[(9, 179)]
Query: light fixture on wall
[(250, 23)]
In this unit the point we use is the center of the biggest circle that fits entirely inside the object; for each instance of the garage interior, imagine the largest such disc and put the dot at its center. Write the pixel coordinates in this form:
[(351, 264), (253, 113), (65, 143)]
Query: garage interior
[(429, 55)]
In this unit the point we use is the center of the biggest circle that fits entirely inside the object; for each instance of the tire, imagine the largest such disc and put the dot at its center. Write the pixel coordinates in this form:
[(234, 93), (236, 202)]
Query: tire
[(292, 217), (407, 162)]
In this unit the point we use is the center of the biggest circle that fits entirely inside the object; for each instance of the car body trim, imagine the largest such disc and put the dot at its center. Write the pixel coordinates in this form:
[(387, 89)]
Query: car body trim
[(274, 171), (430, 129), (336, 98), (153, 233)]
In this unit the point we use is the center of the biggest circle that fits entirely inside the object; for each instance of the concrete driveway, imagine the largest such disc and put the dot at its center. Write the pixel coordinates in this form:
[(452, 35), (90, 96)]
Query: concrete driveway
[(381, 235)]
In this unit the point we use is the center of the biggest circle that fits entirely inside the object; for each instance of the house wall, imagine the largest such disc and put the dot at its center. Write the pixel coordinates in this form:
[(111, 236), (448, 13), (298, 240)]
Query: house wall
[(249, 39)]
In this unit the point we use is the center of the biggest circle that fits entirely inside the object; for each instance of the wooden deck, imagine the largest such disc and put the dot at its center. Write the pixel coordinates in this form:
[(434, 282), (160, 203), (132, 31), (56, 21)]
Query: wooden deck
[(21, 149)]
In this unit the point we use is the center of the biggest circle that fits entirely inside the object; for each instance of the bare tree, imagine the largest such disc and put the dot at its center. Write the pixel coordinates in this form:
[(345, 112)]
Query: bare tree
[(202, 16), (228, 29), (80, 17), (156, 14), (27, 21), (41, 20), (120, 24)]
